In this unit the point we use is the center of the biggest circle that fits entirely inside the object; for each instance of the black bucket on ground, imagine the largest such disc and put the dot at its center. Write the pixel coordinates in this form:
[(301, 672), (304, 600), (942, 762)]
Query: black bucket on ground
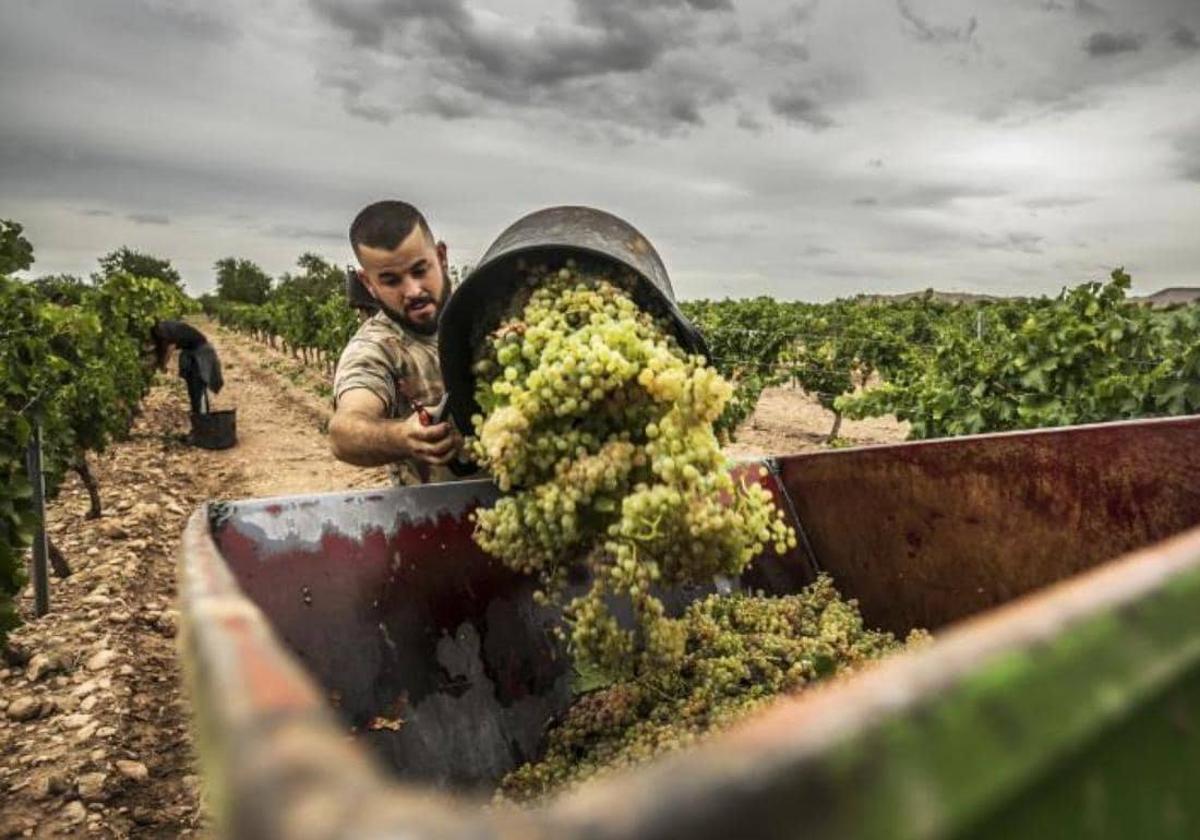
[(214, 430)]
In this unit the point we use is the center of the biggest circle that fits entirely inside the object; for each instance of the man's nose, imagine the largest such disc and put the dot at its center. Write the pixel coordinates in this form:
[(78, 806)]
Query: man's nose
[(411, 287)]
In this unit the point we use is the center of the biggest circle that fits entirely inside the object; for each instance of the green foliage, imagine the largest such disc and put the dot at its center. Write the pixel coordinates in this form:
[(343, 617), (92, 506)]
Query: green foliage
[(745, 339), (1085, 356), (826, 349), (64, 289), (72, 359), (137, 264), (23, 356), (241, 281), (16, 254), (306, 310)]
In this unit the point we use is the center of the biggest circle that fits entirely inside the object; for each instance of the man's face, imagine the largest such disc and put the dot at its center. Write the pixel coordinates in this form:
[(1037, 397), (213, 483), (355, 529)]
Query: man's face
[(409, 282)]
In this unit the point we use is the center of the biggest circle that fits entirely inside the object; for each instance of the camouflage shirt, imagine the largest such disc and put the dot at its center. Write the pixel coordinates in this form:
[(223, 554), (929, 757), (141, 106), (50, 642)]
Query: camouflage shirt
[(398, 366)]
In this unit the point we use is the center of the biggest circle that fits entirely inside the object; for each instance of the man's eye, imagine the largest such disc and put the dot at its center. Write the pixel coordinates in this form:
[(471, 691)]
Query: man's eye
[(389, 279), (419, 272)]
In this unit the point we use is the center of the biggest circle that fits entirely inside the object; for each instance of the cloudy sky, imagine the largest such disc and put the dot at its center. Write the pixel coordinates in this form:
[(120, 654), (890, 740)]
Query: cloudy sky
[(801, 149)]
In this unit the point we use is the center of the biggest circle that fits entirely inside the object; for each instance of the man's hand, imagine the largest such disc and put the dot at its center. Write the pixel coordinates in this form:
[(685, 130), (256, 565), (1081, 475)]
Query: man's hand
[(360, 434), (436, 444)]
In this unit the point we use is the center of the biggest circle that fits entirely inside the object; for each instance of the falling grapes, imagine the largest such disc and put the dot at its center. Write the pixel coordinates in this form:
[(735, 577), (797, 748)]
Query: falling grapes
[(599, 428)]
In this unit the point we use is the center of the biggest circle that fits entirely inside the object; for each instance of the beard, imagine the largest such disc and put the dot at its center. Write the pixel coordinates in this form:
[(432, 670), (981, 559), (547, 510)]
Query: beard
[(401, 317)]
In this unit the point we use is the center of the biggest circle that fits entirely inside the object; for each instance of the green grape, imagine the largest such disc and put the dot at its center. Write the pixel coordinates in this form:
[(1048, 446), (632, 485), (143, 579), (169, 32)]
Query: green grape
[(599, 429), (724, 659)]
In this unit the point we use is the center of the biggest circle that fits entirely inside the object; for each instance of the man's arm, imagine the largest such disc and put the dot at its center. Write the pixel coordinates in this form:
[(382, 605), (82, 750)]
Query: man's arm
[(360, 433)]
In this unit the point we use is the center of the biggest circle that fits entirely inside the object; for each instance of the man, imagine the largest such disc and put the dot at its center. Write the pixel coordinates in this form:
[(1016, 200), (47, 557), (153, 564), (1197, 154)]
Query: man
[(199, 365), (389, 369)]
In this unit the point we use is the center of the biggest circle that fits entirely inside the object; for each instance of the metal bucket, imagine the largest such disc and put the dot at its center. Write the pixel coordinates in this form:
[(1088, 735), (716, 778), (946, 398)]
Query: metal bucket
[(554, 235), (214, 430)]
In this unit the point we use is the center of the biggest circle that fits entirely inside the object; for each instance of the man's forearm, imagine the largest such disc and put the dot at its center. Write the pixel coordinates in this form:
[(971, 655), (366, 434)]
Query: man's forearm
[(364, 441)]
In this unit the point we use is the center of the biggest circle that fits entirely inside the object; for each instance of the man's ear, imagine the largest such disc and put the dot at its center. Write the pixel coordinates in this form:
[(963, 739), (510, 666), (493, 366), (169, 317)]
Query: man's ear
[(441, 252), (366, 283)]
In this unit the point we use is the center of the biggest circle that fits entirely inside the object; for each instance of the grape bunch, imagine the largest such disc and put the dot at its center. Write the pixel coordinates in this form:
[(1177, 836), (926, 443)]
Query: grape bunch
[(740, 652), (599, 427)]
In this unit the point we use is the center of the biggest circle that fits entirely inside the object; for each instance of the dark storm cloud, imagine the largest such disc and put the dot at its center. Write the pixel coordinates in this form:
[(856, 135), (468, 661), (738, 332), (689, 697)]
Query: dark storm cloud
[(149, 218), (1056, 202), (700, 119), (369, 22), (1103, 44), (1087, 8), (1023, 242), (748, 122), (1083, 8), (193, 21), (1184, 37), (781, 39), (447, 106), (803, 12), (600, 64), (370, 113), (783, 50), (924, 30), (38, 165), (303, 232), (932, 196), (799, 106), (1188, 148), (618, 36)]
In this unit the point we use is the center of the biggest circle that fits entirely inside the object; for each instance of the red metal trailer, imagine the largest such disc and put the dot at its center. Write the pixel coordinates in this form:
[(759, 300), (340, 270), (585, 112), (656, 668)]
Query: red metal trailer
[(1059, 569)]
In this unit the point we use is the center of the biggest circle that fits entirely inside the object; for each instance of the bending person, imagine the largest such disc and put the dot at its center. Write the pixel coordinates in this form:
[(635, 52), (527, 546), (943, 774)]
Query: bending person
[(198, 362)]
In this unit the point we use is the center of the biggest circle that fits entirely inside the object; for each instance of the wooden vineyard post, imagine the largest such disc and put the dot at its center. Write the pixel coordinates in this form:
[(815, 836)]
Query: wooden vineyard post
[(41, 577)]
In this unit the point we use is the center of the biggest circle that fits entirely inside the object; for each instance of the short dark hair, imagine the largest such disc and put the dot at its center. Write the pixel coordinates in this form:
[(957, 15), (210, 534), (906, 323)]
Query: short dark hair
[(385, 224)]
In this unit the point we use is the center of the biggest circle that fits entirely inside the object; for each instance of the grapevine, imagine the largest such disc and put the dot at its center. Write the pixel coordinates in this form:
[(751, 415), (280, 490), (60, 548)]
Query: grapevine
[(73, 360)]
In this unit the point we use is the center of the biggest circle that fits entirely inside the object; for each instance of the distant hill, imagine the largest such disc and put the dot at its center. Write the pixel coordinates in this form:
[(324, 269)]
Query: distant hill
[(1171, 296), (944, 297)]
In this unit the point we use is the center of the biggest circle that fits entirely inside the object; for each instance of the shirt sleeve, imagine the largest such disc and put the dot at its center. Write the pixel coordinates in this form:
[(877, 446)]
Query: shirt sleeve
[(364, 364)]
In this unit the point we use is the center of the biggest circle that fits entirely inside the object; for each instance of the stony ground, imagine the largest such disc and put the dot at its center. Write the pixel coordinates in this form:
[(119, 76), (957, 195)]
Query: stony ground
[(94, 736), (94, 727)]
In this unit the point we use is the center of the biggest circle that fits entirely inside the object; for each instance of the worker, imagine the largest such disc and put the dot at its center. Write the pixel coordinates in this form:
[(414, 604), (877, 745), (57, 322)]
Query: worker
[(199, 365), (388, 383)]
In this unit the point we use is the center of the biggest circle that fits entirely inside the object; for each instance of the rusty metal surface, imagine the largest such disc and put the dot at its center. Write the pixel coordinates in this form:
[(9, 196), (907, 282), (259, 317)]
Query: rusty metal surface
[(389, 604), (552, 234), (927, 533), (277, 763), (942, 742), (965, 735)]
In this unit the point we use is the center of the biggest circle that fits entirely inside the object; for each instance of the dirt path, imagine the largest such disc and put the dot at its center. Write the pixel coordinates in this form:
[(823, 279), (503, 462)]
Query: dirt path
[(94, 728), (281, 447)]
